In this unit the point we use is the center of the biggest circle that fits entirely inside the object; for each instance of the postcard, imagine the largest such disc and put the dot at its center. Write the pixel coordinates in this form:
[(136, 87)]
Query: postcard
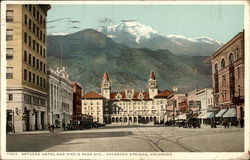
[(125, 80)]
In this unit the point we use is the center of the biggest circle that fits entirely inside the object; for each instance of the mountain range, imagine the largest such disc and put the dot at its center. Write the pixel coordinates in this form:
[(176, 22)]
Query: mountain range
[(137, 35), (89, 53)]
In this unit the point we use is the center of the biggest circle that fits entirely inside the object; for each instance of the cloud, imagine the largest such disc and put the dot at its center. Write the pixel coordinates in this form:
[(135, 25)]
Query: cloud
[(58, 20)]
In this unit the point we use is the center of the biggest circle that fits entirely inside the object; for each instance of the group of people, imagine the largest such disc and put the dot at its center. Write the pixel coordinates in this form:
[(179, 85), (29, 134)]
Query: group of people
[(226, 123), (52, 127)]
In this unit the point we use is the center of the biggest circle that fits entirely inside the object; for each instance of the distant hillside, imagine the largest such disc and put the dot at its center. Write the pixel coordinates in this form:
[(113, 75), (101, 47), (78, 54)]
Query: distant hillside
[(137, 35), (88, 54)]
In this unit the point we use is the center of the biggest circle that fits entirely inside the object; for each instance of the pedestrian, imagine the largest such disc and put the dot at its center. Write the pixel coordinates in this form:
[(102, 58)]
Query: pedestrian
[(64, 126), (241, 123), (225, 123), (53, 128)]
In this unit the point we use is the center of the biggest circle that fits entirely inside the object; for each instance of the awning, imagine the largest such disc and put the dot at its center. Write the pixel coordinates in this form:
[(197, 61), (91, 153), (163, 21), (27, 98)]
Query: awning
[(203, 115), (182, 117), (230, 113), (221, 113), (195, 115), (210, 115)]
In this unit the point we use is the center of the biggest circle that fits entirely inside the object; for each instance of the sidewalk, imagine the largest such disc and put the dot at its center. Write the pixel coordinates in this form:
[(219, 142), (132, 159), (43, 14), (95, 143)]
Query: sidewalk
[(38, 132)]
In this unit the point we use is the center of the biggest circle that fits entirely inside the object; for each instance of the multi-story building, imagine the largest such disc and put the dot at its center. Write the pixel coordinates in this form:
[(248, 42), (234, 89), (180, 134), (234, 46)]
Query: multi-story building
[(26, 55), (176, 105), (60, 97), (92, 104), (228, 76), (77, 101), (205, 99), (128, 106)]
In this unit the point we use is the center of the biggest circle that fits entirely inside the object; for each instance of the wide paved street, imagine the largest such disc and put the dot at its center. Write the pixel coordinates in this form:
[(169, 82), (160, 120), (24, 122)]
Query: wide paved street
[(132, 139)]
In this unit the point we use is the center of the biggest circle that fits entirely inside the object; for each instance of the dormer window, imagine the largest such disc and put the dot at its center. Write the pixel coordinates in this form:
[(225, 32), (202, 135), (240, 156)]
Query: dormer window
[(118, 96)]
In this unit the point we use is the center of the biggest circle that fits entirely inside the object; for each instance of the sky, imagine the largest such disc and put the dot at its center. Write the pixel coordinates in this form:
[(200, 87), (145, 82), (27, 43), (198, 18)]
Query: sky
[(220, 22)]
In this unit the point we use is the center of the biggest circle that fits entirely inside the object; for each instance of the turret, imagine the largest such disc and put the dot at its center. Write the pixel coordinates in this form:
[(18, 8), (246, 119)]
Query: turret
[(105, 88), (152, 86)]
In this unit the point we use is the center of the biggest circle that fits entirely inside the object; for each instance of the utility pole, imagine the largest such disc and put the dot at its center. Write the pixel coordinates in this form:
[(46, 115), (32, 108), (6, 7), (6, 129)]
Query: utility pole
[(61, 55)]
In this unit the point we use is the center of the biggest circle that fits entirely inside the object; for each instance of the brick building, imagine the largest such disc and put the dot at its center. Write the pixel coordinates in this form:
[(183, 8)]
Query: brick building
[(77, 101), (228, 76)]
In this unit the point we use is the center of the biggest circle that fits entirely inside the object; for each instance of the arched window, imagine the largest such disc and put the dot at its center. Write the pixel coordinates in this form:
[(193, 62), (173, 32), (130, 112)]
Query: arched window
[(231, 58), (216, 67), (223, 63)]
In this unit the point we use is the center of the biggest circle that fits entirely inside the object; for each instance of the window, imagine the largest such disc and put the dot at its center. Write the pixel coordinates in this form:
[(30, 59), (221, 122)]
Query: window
[(9, 73), (29, 76), (231, 59), (34, 28), (29, 59), (25, 74), (30, 9), (34, 11), (223, 63), (9, 34), (238, 72), (30, 24), (37, 32), (37, 80), (9, 53), (44, 24), (29, 41), (44, 68), (25, 37), (41, 80), (34, 78), (34, 45), (37, 47), (37, 15), (44, 83), (41, 34), (9, 16), (216, 67), (25, 19), (34, 61), (223, 79), (43, 38), (37, 63), (41, 50), (25, 56), (41, 19), (41, 66), (10, 97)]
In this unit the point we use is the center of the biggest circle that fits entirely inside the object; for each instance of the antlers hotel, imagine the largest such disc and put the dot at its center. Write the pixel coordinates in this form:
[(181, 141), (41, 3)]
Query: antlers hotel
[(127, 106)]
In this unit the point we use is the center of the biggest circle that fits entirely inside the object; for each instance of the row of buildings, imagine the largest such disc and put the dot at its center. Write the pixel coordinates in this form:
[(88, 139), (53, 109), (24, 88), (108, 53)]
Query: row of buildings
[(130, 106), (224, 100), (37, 95)]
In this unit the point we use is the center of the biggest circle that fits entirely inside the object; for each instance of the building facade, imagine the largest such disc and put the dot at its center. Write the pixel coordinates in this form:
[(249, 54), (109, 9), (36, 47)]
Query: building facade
[(92, 105), (26, 55), (60, 97), (228, 75), (205, 98), (128, 106), (77, 101), (176, 105)]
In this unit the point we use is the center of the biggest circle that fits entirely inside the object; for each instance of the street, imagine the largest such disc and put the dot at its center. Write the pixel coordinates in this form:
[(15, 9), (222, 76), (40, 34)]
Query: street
[(131, 139)]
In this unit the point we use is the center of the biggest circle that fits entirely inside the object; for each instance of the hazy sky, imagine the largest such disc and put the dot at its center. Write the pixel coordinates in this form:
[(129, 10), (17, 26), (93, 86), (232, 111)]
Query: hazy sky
[(220, 22)]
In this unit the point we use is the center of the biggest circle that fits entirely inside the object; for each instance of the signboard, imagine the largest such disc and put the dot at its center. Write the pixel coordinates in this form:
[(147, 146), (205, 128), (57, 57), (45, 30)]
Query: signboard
[(194, 104)]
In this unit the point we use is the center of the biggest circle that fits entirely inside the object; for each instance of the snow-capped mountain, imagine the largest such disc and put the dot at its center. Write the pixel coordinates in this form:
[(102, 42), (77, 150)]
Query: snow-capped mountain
[(135, 34)]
